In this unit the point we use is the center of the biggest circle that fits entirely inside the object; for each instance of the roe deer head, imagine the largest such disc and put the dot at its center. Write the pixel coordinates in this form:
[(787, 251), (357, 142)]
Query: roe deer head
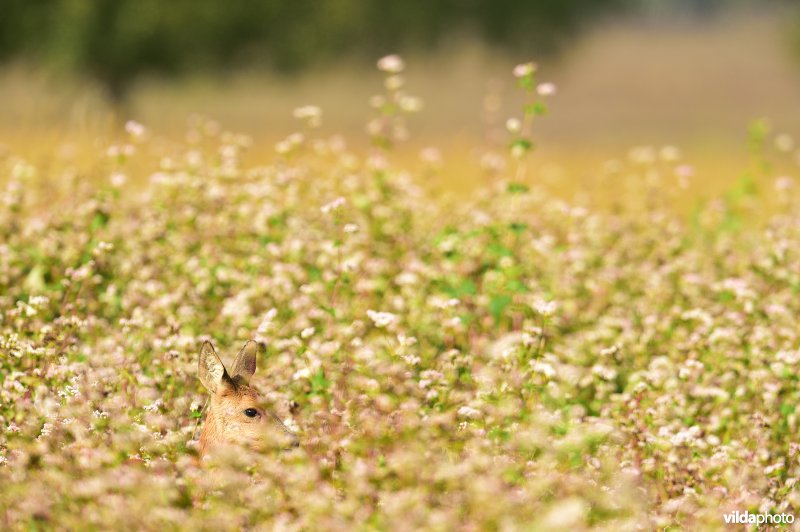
[(236, 414)]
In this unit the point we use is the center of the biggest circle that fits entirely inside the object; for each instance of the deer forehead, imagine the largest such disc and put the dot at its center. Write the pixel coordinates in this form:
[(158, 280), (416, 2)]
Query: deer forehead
[(239, 390)]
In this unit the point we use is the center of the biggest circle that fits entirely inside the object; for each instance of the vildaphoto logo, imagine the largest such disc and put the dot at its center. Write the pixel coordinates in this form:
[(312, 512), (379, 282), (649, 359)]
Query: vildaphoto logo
[(746, 518)]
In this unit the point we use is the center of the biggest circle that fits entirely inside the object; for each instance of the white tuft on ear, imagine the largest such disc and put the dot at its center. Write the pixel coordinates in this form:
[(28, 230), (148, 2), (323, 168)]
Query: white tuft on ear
[(245, 364), (210, 369)]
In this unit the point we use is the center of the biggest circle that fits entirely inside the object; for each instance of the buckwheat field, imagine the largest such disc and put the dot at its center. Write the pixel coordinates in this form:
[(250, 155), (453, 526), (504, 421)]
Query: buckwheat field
[(506, 360)]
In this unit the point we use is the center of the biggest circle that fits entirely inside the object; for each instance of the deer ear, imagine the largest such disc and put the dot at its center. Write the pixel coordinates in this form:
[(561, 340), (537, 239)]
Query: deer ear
[(210, 369), (245, 364)]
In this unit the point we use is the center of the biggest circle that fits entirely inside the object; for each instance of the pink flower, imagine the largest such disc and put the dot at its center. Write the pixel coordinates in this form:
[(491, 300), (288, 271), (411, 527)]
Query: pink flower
[(391, 63), (524, 69), (546, 89)]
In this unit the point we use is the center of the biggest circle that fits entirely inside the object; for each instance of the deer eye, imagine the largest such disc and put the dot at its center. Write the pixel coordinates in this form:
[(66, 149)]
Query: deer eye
[(251, 412)]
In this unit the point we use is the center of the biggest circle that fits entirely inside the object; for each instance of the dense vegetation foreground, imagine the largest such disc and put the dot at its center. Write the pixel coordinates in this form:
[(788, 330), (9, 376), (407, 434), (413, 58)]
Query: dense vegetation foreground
[(505, 362)]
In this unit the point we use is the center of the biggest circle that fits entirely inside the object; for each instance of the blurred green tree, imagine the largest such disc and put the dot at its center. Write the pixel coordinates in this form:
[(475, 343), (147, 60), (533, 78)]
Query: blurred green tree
[(116, 41)]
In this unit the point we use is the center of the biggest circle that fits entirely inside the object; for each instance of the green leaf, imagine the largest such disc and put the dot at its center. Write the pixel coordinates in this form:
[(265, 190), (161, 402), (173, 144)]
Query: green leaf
[(100, 220), (536, 109), (498, 304), (319, 384), (758, 131), (526, 82), (497, 433), (726, 296), (745, 187), (464, 287), (524, 144), (499, 249), (278, 220), (518, 228), (517, 286), (314, 273), (517, 188)]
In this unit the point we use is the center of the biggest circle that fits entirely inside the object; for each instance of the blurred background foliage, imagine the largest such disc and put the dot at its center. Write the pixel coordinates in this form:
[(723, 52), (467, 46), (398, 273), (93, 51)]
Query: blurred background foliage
[(115, 42), (629, 73)]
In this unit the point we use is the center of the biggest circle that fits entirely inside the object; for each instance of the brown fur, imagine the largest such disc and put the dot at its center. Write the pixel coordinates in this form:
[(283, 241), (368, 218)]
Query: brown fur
[(226, 422)]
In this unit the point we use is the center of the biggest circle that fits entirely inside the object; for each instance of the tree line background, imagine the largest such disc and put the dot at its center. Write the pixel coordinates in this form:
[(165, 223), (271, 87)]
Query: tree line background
[(116, 41)]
